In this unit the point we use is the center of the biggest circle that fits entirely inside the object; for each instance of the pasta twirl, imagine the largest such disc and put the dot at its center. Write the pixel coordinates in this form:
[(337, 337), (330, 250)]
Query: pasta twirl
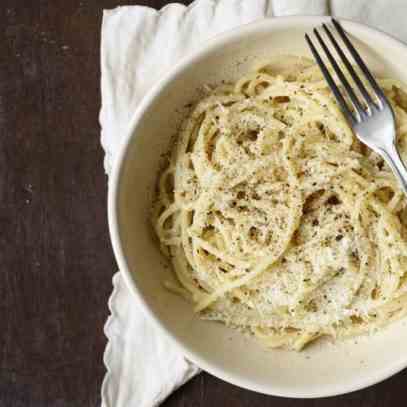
[(277, 220)]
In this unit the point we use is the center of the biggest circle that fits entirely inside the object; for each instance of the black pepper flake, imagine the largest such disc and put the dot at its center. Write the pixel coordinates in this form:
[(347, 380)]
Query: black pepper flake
[(333, 200), (339, 238)]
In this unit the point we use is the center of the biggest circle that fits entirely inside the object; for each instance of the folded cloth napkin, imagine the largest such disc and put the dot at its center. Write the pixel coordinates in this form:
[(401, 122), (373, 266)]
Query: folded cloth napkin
[(139, 44)]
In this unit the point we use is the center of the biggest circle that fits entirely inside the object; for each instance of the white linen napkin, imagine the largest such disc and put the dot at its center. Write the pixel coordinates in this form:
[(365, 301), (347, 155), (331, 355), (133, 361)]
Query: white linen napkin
[(138, 44)]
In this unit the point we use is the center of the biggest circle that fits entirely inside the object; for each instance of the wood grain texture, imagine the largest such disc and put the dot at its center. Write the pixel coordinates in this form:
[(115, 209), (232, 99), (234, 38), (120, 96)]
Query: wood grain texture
[(56, 262)]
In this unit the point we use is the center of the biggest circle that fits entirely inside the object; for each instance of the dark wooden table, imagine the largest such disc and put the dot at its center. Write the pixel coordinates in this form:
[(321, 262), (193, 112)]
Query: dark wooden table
[(56, 262)]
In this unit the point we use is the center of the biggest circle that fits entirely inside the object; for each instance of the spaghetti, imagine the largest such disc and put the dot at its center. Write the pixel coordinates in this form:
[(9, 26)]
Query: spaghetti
[(277, 219)]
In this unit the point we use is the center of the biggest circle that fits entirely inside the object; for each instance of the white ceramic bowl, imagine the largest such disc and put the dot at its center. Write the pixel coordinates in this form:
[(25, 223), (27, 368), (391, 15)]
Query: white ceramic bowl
[(324, 369)]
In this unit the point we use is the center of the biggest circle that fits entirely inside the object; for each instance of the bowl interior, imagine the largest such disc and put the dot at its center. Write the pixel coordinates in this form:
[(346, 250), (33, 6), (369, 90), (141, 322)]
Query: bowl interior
[(324, 368)]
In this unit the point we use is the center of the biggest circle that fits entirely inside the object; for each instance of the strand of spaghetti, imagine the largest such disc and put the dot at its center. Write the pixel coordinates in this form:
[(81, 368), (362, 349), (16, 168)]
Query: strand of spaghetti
[(222, 256), (169, 211)]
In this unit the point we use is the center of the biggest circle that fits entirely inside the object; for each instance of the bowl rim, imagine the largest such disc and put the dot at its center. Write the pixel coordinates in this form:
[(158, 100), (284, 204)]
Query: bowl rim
[(114, 183)]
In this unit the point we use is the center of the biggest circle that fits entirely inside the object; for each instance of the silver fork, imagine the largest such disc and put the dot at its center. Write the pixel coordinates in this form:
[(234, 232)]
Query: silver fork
[(371, 120)]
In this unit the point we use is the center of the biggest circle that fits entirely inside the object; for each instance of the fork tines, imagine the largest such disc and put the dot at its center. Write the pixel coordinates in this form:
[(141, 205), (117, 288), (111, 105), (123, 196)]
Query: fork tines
[(361, 108)]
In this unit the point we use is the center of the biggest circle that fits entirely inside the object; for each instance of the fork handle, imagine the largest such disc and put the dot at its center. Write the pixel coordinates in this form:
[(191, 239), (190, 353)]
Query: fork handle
[(392, 157)]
